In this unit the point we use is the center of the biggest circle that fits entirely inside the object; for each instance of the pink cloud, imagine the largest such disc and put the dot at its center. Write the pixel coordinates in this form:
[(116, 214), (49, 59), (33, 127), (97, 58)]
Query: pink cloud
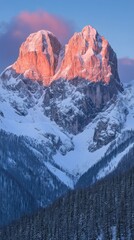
[(43, 20), (126, 69), (15, 32)]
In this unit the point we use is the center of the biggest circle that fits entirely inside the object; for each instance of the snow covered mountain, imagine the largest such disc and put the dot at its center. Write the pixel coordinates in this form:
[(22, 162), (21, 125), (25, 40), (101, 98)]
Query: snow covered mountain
[(62, 111)]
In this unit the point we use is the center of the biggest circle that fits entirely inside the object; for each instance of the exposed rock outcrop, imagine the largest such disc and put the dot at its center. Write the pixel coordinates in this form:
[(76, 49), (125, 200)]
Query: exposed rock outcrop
[(38, 57), (89, 56), (73, 104)]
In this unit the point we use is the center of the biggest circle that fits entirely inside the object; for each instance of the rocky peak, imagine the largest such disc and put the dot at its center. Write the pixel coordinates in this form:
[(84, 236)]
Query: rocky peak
[(38, 56), (89, 56)]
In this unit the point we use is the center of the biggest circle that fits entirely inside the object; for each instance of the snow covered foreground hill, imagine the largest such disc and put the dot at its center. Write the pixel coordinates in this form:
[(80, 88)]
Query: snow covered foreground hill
[(50, 136)]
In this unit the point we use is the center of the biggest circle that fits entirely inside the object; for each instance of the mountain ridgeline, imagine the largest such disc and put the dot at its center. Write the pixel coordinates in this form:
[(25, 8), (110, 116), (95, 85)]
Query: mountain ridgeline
[(88, 61), (66, 122)]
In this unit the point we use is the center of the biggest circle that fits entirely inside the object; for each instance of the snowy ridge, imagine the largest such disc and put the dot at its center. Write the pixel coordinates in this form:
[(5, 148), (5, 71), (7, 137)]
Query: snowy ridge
[(113, 164)]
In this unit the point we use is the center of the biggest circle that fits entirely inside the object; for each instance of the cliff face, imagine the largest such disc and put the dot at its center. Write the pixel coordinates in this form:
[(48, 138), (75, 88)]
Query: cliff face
[(73, 104), (88, 56), (38, 57)]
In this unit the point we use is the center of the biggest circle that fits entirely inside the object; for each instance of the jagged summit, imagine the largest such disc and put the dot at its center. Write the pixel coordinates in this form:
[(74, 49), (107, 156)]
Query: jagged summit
[(36, 40), (38, 56), (87, 56), (89, 30)]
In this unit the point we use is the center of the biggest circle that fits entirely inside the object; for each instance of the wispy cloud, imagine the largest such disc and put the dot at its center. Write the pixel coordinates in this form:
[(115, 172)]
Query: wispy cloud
[(126, 69), (12, 34)]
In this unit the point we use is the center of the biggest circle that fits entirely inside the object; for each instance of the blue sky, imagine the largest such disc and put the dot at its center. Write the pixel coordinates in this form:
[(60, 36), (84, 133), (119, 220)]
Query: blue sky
[(113, 19)]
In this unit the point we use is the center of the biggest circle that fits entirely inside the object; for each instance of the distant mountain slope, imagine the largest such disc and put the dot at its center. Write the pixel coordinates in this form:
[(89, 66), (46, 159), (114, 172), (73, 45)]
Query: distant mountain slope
[(25, 181), (112, 160)]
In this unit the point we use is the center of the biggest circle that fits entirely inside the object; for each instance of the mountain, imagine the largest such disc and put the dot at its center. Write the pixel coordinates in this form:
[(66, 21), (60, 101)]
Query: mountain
[(88, 56), (38, 57), (63, 112), (87, 60)]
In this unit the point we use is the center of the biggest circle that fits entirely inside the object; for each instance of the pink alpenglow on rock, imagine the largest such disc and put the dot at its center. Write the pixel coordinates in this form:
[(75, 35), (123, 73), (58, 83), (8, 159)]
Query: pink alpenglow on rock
[(38, 57), (88, 56)]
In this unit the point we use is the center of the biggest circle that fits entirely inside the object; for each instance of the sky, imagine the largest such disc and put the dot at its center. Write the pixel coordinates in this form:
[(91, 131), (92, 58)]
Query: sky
[(114, 19)]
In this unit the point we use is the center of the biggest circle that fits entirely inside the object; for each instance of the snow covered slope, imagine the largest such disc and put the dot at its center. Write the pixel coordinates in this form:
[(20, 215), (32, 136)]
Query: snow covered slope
[(69, 156), (118, 119), (21, 113)]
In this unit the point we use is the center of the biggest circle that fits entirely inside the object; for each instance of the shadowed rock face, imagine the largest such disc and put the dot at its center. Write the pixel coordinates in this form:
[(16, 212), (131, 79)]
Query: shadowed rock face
[(73, 104)]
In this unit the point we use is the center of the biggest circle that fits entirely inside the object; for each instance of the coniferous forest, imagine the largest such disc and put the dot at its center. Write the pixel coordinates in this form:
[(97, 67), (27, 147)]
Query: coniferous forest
[(102, 211)]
